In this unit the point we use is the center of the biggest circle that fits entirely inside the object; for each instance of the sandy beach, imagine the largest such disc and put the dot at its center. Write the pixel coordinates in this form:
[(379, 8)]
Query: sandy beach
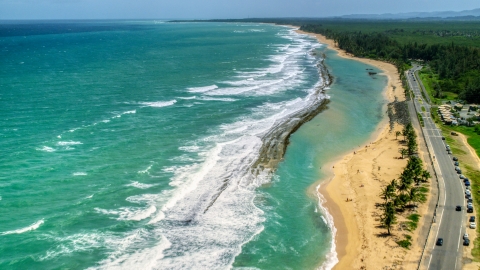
[(352, 191)]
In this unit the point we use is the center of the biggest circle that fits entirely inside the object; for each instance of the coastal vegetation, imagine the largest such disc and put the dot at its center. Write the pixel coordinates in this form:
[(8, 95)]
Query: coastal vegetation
[(455, 66), (407, 191)]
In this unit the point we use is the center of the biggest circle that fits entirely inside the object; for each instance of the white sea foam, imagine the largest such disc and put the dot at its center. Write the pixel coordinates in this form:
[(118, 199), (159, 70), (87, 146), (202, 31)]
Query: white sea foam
[(32, 227), (192, 148), (79, 173), (68, 143), (160, 104), (202, 89), (209, 214), (193, 97), (146, 170), (332, 257), (140, 185), (46, 149), (219, 99), (129, 213), (123, 113)]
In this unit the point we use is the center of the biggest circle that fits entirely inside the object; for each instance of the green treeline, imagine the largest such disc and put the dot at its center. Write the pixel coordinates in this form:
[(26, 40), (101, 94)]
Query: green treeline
[(457, 66)]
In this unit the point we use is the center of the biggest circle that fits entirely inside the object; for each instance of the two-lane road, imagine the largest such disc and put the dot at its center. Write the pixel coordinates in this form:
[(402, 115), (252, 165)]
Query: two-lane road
[(450, 222)]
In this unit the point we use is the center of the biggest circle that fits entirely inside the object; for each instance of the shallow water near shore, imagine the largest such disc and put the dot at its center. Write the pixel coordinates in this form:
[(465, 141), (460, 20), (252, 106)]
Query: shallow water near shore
[(128, 145), (296, 236)]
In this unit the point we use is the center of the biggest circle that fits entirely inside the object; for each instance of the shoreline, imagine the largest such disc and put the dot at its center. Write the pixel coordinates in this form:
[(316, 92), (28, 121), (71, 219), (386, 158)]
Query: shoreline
[(347, 234)]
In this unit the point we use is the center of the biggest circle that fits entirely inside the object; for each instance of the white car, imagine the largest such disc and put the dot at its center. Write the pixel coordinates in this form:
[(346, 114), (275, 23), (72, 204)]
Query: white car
[(473, 225), (465, 236), (467, 188), (462, 176), (468, 192)]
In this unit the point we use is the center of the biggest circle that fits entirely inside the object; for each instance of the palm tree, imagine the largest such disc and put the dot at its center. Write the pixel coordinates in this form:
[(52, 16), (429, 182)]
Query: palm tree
[(414, 195), (388, 192), (388, 218), (403, 152), (398, 133), (425, 176)]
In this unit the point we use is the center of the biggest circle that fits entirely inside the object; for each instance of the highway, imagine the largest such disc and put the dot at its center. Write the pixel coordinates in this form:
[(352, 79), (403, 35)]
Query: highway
[(449, 223)]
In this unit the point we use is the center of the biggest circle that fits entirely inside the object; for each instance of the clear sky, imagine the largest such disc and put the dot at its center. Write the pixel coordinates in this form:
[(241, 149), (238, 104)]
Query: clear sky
[(214, 9)]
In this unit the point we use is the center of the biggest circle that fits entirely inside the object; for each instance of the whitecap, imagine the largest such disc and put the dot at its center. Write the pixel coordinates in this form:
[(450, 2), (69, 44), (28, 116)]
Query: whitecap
[(46, 149), (146, 170), (219, 99), (193, 97), (32, 227), (139, 185), (192, 148), (202, 89), (159, 104), (130, 213), (123, 113), (67, 143), (79, 173)]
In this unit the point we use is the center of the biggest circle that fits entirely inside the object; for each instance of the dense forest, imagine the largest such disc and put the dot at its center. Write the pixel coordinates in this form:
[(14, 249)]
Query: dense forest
[(457, 66)]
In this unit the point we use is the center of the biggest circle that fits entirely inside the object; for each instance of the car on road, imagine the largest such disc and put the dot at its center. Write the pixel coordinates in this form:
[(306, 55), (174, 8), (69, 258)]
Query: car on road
[(458, 208), (473, 225), (466, 242), (472, 219), (455, 159), (440, 242)]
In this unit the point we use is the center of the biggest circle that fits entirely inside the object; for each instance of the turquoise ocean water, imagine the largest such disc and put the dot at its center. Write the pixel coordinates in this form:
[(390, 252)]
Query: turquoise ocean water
[(127, 145)]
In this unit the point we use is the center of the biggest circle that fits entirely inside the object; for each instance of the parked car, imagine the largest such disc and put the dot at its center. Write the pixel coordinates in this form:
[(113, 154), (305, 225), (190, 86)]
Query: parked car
[(455, 159), (470, 200), (470, 205), (456, 163), (467, 183), (449, 152), (473, 225), (467, 192), (472, 219), (443, 138), (462, 176), (466, 242), (467, 188), (465, 236), (440, 242), (469, 209), (468, 196)]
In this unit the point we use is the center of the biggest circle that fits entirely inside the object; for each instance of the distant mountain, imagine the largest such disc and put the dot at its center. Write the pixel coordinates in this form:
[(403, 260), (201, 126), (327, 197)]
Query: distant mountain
[(411, 15)]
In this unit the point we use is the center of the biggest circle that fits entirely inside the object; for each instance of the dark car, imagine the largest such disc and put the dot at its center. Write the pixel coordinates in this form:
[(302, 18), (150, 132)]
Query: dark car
[(466, 242), (443, 138), (472, 219), (467, 183), (455, 159), (469, 200), (457, 163), (440, 242), (470, 209), (458, 208)]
